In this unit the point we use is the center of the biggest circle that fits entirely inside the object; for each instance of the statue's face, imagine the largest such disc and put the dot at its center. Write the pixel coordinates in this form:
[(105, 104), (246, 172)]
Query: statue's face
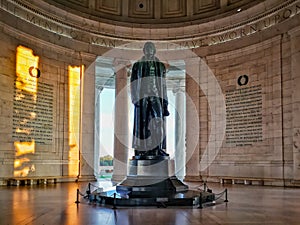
[(149, 51)]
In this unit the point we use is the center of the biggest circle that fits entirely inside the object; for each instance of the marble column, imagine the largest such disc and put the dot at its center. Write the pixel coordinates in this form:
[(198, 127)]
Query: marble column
[(295, 68), (120, 123), (192, 119), (98, 91), (180, 133), (87, 125)]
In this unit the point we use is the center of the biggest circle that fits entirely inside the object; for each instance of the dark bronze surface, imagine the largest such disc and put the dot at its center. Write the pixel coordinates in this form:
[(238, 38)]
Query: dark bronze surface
[(149, 96)]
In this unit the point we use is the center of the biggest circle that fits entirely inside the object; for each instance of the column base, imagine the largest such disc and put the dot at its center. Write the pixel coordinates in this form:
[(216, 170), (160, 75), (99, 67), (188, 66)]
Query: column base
[(116, 178), (85, 178), (190, 178)]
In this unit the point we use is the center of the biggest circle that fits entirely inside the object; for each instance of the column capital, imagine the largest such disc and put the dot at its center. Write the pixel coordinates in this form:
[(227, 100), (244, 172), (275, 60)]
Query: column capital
[(121, 64), (178, 88), (99, 88)]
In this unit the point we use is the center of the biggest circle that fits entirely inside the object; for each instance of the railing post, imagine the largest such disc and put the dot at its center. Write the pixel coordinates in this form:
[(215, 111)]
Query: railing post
[(115, 201), (88, 192), (226, 195), (77, 197), (200, 201)]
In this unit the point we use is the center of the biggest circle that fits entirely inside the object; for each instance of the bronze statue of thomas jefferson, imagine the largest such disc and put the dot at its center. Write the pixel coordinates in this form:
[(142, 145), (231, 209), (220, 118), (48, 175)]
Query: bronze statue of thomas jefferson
[(149, 96)]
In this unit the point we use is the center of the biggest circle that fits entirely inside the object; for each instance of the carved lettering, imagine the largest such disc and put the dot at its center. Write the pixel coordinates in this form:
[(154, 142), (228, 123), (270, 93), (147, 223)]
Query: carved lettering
[(277, 19), (233, 35), (287, 13), (73, 34), (31, 19), (33, 115), (244, 116), (243, 32), (253, 29), (222, 38), (267, 22), (68, 30), (45, 24), (297, 9), (4, 4)]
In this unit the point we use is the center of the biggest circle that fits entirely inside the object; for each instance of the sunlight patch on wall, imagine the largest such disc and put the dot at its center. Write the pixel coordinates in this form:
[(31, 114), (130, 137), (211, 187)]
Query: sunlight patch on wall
[(22, 165), (26, 86), (75, 76), (26, 79)]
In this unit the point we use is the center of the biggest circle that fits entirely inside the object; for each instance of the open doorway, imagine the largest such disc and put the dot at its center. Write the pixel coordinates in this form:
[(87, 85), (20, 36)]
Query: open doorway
[(104, 118)]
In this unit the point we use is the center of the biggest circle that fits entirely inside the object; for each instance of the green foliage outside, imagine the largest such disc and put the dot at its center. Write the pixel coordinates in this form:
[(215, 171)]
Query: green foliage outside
[(106, 160)]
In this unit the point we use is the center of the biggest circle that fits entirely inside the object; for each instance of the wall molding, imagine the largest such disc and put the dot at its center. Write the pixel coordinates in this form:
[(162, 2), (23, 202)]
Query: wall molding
[(186, 37)]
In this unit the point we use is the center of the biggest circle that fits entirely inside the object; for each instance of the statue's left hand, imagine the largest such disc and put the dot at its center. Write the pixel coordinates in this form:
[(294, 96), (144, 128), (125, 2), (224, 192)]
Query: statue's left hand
[(166, 112), (165, 108)]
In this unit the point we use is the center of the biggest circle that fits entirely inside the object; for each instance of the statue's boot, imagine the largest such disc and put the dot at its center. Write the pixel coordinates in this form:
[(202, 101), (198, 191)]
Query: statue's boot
[(140, 153), (162, 153)]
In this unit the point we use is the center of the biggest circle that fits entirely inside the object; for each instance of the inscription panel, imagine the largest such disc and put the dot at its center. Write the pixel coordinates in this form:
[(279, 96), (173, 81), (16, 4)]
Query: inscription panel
[(33, 115), (244, 116)]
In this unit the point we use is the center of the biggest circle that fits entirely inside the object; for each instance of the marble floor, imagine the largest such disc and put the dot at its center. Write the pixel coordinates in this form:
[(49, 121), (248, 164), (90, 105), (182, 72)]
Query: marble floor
[(55, 205)]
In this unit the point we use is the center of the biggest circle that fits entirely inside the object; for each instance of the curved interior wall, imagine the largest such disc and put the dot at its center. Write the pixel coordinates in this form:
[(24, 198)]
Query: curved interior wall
[(268, 57), (43, 116)]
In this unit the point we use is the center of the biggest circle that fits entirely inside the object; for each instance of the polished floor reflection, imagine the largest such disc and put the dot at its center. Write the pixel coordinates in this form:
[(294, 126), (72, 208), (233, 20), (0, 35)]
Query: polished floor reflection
[(54, 204)]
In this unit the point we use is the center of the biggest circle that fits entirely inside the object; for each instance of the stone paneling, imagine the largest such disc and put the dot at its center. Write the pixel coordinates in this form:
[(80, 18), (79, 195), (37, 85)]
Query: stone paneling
[(161, 12), (109, 6), (263, 63), (83, 3), (141, 8), (173, 8), (268, 63), (7, 62), (295, 57), (230, 2), (47, 159), (201, 6)]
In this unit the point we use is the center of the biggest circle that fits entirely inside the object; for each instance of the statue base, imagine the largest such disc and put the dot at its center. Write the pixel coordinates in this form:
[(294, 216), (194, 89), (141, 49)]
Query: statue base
[(152, 182), (151, 178)]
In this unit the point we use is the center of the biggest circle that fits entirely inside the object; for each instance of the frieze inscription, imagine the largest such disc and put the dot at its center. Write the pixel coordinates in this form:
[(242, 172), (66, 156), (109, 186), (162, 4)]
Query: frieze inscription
[(89, 32)]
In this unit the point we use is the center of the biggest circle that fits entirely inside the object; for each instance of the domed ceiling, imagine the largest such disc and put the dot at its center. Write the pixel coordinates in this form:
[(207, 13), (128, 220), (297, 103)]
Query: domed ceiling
[(154, 12), (114, 23)]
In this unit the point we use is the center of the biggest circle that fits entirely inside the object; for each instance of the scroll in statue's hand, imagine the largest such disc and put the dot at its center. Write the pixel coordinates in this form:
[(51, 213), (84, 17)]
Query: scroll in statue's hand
[(166, 112)]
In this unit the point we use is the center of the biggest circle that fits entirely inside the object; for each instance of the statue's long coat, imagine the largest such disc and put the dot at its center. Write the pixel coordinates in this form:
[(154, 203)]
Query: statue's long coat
[(142, 113)]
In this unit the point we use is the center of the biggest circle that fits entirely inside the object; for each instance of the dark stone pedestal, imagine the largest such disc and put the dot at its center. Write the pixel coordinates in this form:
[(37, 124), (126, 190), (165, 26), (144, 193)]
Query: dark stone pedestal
[(151, 178), (151, 181)]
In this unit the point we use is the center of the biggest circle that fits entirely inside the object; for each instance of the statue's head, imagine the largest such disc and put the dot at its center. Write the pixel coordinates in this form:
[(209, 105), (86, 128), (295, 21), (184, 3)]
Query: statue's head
[(149, 50)]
